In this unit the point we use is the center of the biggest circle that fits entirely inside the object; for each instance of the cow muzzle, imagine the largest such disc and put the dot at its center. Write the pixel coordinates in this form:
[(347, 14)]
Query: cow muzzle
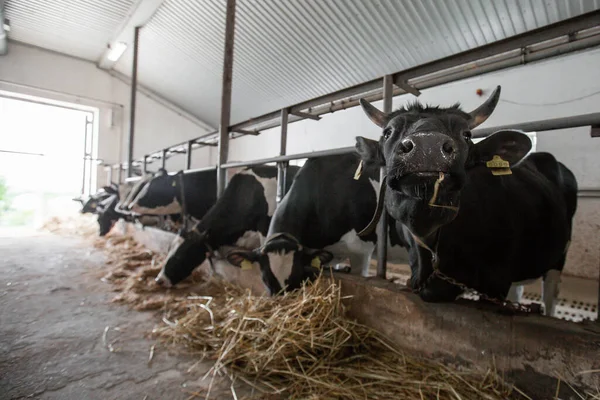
[(162, 280)]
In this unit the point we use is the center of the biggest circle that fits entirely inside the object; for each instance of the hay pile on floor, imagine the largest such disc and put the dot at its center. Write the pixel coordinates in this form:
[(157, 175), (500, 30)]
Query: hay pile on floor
[(131, 269), (302, 345), (77, 225)]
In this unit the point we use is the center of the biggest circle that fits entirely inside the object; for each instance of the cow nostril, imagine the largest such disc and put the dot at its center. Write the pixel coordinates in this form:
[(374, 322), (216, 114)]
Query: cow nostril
[(448, 148), (406, 146)]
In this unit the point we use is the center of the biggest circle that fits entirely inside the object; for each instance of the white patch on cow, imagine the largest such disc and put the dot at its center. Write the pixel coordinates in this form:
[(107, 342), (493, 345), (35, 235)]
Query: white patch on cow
[(550, 291), (515, 293), (173, 208), (352, 246), (270, 187), (281, 265), (163, 280), (250, 240), (525, 282)]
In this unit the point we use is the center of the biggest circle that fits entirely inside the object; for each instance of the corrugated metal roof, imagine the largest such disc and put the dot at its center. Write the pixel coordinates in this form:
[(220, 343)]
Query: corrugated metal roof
[(290, 51), (287, 51), (80, 28)]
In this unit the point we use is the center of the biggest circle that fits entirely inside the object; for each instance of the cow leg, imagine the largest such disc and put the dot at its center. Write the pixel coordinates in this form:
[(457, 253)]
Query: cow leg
[(515, 293), (359, 264), (550, 290)]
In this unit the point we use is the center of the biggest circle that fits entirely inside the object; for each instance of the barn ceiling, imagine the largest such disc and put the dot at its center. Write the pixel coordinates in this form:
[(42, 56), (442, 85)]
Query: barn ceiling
[(285, 51)]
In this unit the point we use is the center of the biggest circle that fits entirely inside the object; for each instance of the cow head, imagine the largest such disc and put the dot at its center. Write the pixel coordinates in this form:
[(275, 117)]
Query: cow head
[(284, 263), (426, 152), (107, 215), (186, 252), (160, 196)]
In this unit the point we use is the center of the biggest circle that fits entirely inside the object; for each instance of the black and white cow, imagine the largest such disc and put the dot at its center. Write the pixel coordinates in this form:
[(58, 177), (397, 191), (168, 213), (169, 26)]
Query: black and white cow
[(317, 223), (481, 213), (162, 194), (90, 205), (240, 218)]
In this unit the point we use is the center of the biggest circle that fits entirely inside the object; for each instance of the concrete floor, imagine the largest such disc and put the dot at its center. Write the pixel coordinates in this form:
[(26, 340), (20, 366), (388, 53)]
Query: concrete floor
[(53, 312)]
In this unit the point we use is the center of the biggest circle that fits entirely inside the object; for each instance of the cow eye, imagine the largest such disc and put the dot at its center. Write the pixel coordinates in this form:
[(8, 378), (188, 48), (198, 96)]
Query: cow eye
[(467, 135), (387, 132)]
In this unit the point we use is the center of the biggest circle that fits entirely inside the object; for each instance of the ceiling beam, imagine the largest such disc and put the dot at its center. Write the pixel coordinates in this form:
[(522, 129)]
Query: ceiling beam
[(139, 14)]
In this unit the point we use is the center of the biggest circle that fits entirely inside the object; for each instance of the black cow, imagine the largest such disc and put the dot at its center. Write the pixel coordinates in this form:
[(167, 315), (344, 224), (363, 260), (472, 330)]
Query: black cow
[(480, 213), (107, 214), (162, 194), (240, 218), (318, 221)]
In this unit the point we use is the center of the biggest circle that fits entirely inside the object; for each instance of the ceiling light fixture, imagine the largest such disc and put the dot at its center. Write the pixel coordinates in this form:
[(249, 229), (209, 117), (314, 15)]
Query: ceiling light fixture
[(117, 51)]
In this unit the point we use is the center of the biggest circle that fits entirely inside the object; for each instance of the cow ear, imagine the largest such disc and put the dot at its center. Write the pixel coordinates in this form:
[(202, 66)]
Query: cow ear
[(510, 145), (318, 258), (242, 258), (369, 151)]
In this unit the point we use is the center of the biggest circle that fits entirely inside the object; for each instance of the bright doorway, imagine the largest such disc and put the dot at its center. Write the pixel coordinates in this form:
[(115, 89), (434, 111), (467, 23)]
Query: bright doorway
[(47, 158)]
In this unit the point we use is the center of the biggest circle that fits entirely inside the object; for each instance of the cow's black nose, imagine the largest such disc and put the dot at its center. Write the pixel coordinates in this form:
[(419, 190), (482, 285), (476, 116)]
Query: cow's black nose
[(448, 148), (406, 146)]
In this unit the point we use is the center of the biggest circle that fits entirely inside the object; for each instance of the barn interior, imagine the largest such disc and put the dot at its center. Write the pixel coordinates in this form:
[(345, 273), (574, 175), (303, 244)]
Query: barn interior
[(100, 100)]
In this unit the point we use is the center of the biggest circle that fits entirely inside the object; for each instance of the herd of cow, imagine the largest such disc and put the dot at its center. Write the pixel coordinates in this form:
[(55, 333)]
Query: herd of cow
[(490, 215)]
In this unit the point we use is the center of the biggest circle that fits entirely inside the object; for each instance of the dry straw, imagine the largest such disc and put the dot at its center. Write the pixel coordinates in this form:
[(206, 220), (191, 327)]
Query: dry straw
[(302, 345)]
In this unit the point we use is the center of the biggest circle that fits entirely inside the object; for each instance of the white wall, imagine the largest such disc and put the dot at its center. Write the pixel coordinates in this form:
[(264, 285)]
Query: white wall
[(38, 72)]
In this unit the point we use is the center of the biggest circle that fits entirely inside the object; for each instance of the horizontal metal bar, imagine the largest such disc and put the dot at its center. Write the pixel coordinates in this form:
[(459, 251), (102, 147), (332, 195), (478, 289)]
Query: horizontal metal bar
[(290, 157), (306, 115), (132, 179), (246, 132), (566, 27), (544, 125), (589, 193), (203, 169)]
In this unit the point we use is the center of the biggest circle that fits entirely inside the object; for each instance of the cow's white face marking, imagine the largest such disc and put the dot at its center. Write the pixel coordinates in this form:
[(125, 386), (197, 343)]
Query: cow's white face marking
[(162, 277), (281, 265), (250, 240), (173, 208), (270, 187)]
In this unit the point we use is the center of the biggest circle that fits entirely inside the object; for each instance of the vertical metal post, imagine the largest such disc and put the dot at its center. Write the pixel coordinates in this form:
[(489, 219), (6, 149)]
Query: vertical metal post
[(188, 163), (89, 132), (145, 165), (598, 305), (226, 96), (382, 226), (282, 166), (85, 153), (164, 159), (136, 41), (110, 175), (120, 174)]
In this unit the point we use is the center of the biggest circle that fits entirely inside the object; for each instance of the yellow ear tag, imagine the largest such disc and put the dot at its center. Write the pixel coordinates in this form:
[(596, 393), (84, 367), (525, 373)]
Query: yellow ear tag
[(499, 166), (246, 265), (316, 262), (358, 172), (174, 183)]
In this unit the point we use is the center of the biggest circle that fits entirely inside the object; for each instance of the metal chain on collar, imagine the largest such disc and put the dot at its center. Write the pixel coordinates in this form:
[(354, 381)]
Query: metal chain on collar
[(437, 273)]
